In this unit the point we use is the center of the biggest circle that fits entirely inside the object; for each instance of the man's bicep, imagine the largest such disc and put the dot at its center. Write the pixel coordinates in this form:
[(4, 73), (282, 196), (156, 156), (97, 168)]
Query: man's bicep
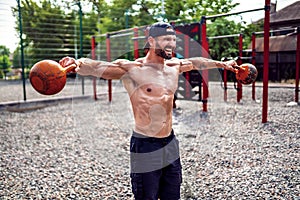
[(113, 73), (185, 67)]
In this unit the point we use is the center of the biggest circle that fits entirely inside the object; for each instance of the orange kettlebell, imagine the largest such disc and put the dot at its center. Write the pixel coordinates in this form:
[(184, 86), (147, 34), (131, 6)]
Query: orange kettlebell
[(246, 74), (48, 77)]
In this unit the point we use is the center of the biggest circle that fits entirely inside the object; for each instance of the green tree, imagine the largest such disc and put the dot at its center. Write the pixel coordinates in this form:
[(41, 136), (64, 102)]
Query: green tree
[(100, 10), (130, 13), (46, 29), (146, 14), (224, 47), (228, 47), (51, 29), (5, 63), (193, 10), (249, 30)]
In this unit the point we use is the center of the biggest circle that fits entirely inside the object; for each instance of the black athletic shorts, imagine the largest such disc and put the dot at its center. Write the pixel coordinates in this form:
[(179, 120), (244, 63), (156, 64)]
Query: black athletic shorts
[(155, 167)]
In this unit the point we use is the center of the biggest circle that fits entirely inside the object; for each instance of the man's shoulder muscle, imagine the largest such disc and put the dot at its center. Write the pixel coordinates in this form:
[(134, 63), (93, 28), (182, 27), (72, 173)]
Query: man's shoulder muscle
[(141, 60)]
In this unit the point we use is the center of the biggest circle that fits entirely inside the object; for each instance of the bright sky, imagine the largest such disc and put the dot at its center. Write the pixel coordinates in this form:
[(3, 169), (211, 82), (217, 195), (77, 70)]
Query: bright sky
[(9, 37), (253, 4)]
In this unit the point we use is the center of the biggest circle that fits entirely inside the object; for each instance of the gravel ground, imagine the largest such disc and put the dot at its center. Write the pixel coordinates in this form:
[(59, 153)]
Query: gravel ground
[(80, 149)]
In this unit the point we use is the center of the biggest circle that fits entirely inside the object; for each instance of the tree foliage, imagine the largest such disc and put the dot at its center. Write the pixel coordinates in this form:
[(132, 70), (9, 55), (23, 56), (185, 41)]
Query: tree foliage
[(4, 60), (51, 27), (195, 9), (224, 47), (51, 30), (123, 14)]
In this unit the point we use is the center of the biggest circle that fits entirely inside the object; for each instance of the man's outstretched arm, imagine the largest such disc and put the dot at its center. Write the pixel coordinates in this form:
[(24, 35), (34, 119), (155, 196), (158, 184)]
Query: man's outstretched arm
[(201, 63), (103, 69)]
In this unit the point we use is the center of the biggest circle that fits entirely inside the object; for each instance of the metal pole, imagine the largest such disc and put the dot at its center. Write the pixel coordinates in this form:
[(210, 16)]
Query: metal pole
[(126, 19), (297, 66), (127, 37), (266, 62), (239, 62), (223, 36), (225, 82), (186, 39), (136, 43), (108, 54), (200, 78), (235, 13), (204, 72), (253, 62), (275, 31), (22, 50), (93, 45), (75, 42), (81, 40)]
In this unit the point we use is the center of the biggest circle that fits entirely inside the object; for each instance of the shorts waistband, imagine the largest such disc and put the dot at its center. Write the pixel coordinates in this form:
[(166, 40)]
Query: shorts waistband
[(154, 139)]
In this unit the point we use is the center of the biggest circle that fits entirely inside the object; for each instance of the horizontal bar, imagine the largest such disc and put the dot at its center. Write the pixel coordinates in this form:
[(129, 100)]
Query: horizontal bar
[(279, 30), (223, 36), (122, 34), (234, 13), (243, 57), (139, 37)]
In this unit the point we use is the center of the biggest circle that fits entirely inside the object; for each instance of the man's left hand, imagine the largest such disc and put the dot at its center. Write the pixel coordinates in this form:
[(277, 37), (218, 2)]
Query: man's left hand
[(230, 65)]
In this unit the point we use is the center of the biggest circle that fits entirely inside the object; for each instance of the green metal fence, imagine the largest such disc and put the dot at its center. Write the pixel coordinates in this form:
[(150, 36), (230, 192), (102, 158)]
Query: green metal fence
[(47, 31)]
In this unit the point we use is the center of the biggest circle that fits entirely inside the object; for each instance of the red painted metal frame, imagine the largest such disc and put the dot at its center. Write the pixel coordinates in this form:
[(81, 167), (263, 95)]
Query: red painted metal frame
[(297, 66), (266, 57), (239, 85), (187, 75), (266, 62), (136, 43), (108, 54), (253, 62), (93, 45), (204, 72), (225, 84)]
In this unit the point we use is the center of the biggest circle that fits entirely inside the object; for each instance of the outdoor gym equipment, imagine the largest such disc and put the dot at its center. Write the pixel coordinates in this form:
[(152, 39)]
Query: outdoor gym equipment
[(246, 73), (48, 77)]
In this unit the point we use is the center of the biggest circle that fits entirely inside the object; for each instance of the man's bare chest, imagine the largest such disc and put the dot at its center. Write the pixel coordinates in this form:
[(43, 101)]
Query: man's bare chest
[(166, 78)]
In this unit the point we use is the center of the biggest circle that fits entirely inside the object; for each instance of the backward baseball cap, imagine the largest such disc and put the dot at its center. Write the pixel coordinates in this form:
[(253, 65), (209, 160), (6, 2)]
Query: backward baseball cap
[(159, 29)]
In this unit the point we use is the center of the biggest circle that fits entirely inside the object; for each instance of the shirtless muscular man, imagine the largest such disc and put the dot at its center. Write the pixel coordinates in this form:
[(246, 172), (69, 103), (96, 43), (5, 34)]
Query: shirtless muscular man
[(151, 82)]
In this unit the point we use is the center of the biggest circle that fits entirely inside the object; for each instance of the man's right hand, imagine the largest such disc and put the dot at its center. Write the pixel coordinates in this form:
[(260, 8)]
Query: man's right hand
[(86, 70), (67, 61)]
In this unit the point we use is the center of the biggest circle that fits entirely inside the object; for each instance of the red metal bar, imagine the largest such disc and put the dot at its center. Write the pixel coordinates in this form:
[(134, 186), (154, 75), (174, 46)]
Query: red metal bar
[(187, 85), (266, 62), (108, 54), (239, 85), (93, 44), (253, 62), (204, 72), (187, 75), (186, 46), (225, 84), (297, 66), (136, 43)]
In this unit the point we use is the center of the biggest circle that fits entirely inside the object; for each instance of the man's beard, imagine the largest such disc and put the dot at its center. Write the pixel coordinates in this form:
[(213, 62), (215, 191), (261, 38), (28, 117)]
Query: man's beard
[(160, 52)]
